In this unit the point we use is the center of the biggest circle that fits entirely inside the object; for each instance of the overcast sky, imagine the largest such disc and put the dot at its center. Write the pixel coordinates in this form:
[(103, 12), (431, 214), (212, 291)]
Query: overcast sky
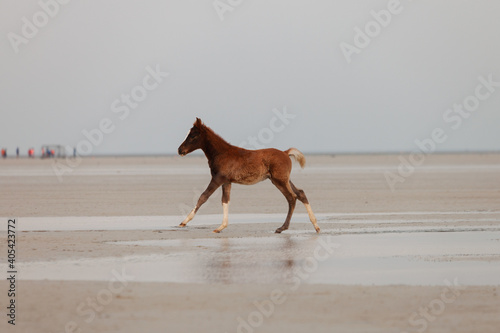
[(260, 73)]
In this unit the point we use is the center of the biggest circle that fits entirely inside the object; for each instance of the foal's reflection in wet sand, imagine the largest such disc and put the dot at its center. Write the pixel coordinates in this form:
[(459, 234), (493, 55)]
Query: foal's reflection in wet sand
[(230, 164), (236, 260)]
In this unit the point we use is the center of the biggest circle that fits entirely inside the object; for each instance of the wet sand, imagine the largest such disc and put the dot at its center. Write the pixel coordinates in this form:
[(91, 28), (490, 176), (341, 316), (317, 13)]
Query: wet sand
[(101, 252)]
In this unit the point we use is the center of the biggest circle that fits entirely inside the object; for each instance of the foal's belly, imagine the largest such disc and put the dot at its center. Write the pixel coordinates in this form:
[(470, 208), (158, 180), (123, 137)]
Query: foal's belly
[(249, 179)]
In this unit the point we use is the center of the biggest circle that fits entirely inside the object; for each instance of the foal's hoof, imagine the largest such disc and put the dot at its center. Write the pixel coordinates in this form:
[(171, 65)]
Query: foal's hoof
[(278, 231), (182, 225), (318, 229), (217, 231)]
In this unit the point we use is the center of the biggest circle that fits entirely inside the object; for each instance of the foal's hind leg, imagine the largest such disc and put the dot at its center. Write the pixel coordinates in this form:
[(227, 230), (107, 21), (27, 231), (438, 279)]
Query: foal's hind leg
[(285, 188), (302, 197), (226, 191), (203, 198)]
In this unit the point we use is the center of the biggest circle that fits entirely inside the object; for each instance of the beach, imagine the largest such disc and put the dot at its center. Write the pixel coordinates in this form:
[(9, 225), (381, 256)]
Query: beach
[(402, 248)]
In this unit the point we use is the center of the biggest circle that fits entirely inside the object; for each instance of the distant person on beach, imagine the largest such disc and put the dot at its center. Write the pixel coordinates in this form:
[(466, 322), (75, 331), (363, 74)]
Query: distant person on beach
[(4, 152), (17, 152)]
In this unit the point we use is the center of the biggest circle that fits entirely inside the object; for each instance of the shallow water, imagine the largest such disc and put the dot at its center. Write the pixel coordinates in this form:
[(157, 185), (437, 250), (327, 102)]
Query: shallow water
[(408, 258), (476, 219)]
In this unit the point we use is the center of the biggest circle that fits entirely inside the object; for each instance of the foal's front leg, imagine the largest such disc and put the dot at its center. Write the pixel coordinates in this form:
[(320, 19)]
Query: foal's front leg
[(226, 191), (203, 198)]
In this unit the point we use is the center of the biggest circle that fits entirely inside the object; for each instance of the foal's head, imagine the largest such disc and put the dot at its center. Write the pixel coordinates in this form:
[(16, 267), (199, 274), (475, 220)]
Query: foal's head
[(194, 139)]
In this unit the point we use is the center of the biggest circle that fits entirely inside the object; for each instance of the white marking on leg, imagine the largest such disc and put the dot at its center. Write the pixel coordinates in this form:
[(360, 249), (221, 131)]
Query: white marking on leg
[(189, 217), (312, 217), (225, 209)]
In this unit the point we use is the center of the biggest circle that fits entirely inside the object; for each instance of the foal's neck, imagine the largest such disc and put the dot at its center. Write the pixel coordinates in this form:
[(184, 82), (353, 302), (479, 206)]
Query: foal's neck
[(214, 145)]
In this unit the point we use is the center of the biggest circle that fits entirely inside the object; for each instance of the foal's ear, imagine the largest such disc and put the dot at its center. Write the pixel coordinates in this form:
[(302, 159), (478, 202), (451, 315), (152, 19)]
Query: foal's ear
[(198, 123)]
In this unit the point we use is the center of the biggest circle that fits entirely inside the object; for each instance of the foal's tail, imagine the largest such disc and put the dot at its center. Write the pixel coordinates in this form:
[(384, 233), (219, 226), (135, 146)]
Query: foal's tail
[(297, 155)]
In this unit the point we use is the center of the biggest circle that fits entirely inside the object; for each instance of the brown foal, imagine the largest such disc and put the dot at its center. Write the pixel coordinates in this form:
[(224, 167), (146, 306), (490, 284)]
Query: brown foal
[(230, 164)]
